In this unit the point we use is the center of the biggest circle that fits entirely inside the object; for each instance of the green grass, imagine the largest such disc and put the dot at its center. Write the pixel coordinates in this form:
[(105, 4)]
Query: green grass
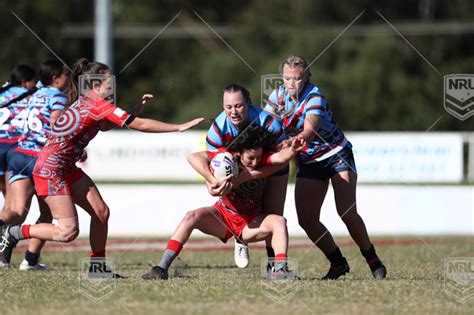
[(208, 283)]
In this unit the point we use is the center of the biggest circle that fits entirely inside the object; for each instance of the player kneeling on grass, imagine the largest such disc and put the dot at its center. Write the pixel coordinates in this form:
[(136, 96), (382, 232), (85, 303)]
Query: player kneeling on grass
[(238, 213)]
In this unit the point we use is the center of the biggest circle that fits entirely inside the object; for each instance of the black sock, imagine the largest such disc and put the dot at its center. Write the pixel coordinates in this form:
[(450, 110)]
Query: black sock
[(371, 257), (2, 223), (32, 258), (270, 252), (336, 257)]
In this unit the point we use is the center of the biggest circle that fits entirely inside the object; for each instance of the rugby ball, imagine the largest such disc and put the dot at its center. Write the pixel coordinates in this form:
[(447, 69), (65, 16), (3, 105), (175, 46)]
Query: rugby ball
[(224, 164)]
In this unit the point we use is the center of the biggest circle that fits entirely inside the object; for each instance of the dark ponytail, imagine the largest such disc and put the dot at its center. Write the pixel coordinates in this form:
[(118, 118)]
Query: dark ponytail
[(20, 73), (82, 66)]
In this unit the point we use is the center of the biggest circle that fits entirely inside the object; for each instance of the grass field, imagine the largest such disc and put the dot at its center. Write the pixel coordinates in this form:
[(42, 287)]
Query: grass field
[(206, 282)]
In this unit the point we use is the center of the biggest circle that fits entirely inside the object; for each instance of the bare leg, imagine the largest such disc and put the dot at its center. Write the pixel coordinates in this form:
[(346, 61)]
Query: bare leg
[(206, 219), (5, 187), (62, 207), (87, 196), (35, 245), (274, 196), (16, 209), (309, 198), (344, 185), (265, 226), (3, 184)]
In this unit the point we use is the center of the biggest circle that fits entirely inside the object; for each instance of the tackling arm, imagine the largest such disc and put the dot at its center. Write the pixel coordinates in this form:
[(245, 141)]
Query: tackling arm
[(310, 128), (278, 160)]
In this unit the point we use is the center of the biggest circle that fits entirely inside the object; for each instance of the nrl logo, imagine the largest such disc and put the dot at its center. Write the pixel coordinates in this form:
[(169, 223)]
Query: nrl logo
[(459, 95), (269, 84)]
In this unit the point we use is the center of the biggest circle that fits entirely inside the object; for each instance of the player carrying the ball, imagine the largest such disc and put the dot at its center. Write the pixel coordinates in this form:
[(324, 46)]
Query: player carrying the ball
[(239, 213)]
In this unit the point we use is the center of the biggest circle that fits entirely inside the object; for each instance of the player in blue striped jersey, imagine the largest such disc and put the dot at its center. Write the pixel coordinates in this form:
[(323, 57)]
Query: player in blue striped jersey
[(293, 114), (238, 114), (328, 156), (44, 107), (42, 104), (228, 125), (13, 113)]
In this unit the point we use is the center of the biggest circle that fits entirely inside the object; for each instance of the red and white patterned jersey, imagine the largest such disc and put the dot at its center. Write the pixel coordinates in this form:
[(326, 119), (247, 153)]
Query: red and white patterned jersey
[(72, 132), (247, 199)]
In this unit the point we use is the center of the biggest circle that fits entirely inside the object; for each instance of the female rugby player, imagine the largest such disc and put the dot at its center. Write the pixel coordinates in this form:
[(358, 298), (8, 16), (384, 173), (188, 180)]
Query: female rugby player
[(304, 111), (59, 182), (41, 109), (237, 116), (239, 213)]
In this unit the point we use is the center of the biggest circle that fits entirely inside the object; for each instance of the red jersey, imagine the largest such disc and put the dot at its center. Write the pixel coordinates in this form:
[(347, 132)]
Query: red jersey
[(72, 132), (247, 199)]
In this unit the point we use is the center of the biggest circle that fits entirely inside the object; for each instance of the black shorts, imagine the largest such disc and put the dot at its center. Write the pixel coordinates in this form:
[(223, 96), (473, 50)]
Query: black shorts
[(20, 166), (4, 149), (323, 170)]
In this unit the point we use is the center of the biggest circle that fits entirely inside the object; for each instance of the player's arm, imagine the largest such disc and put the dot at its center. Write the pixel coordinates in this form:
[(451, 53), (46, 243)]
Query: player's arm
[(284, 156), (316, 110), (58, 105), (200, 163), (156, 126), (263, 171), (54, 116), (107, 125), (141, 104), (310, 127), (278, 160)]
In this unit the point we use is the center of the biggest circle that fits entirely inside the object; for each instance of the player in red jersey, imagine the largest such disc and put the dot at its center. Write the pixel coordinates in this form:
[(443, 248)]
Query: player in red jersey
[(239, 213), (59, 182)]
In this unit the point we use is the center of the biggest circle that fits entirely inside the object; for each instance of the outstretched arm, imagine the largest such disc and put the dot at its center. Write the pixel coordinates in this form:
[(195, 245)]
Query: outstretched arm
[(284, 156), (278, 160), (107, 125), (155, 126)]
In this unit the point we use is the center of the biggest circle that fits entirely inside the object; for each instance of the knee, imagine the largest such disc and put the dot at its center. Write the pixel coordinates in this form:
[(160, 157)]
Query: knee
[(14, 216), (278, 222), (349, 217), (67, 230), (305, 224), (190, 218), (103, 212)]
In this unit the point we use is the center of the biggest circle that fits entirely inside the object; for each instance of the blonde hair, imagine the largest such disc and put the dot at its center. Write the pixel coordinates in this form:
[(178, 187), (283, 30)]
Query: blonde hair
[(295, 62)]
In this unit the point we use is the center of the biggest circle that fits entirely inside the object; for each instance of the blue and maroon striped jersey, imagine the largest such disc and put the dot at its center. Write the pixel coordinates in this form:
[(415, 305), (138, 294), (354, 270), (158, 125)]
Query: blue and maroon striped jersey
[(14, 117), (41, 104), (222, 131), (329, 138)]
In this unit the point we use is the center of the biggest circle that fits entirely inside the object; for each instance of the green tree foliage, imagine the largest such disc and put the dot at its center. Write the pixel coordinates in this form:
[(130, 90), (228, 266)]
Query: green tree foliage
[(372, 78)]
